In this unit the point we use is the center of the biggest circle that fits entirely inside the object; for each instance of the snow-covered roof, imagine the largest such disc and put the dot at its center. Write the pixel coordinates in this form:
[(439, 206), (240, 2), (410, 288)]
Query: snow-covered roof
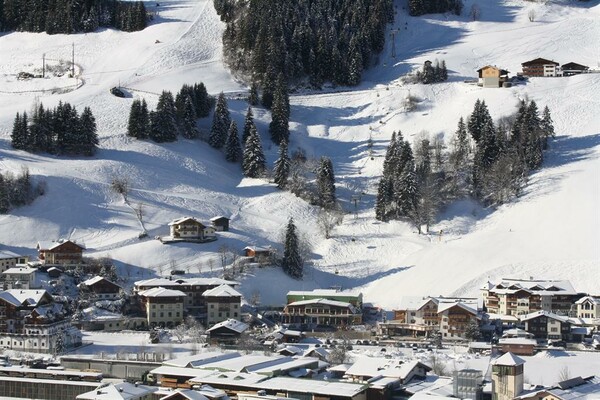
[(445, 306), (162, 292), (594, 300), (546, 287), (312, 386), (232, 324), (508, 359), (414, 302), (324, 292), (325, 302), (46, 245), (541, 313), (98, 314), (187, 393), (431, 385), (380, 366), (518, 340), (117, 391), (185, 219), (259, 248), (222, 291), (198, 360), (23, 296), (20, 271), (218, 217), (4, 254), (164, 282), (96, 279)]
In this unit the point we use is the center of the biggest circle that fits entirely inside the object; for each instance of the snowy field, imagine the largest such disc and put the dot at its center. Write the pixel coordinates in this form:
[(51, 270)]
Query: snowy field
[(552, 231)]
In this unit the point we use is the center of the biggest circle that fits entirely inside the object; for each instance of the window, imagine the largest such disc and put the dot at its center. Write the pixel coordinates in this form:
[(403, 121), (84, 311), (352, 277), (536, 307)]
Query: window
[(170, 314), (162, 314)]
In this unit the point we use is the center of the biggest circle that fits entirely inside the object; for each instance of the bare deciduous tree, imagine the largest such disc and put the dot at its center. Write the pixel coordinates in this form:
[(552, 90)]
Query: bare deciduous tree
[(328, 220)]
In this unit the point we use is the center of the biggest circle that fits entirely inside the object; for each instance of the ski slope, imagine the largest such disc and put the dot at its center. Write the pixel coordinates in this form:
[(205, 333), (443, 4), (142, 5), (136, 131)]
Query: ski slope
[(552, 231)]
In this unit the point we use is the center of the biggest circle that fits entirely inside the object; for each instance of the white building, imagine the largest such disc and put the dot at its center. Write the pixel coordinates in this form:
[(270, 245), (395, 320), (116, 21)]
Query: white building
[(164, 307), (588, 307), (223, 302), (8, 259), (21, 277)]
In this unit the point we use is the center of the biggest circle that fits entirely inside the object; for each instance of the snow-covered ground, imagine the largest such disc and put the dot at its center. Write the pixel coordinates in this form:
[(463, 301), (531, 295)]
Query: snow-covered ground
[(551, 232)]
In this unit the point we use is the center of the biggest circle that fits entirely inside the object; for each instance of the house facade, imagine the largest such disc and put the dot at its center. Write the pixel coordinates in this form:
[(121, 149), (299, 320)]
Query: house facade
[(573, 68), (223, 303), (524, 296), (421, 316), (507, 377), (322, 312), (21, 277), (540, 67), (190, 229), (8, 259), (547, 326), (220, 223), (101, 288), (588, 307), (164, 307), (60, 253), (194, 289), (455, 319), (492, 77), (31, 321)]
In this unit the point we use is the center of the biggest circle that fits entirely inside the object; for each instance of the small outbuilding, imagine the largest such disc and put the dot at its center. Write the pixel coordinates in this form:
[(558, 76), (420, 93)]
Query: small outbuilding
[(220, 223), (573, 68)]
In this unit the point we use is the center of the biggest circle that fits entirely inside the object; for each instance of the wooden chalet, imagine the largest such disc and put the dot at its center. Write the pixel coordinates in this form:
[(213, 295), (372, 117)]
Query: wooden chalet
[(258, 253), (191, 230), (60, 253), (540, 67), (573, 68), (102, 288)]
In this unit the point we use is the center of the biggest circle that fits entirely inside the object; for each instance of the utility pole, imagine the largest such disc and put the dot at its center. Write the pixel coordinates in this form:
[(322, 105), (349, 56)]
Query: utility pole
[(393, 36), (44, 65)]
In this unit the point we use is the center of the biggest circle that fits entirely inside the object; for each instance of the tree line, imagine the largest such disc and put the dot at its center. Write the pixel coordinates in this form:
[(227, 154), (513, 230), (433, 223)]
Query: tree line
[(16, 191), (322, 40), (420, 7), (70, 16), (488, 161), (173, 115), (61, 130)]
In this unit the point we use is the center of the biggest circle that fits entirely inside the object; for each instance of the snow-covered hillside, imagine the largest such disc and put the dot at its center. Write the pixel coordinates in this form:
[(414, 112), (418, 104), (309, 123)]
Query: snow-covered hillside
[(552, 231)]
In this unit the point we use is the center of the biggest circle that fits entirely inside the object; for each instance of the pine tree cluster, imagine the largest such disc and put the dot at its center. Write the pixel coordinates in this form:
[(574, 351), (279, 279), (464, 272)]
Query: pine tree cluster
[(493, 170), (70, 16), (58, 131), (16, 191), (280, 112), (172, 116), (324, 40), (433, 73), (420, 7)]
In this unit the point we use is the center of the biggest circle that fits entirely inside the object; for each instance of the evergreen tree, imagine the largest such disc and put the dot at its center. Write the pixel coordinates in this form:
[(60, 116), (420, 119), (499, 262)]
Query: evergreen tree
[(164, 125), (459, 157), (180, 100), (392, 154), (282, 166), (188, 120), (202, 101), (135, 126), (443, 72), (89, 135), (221, 123), (292, 263), (280, 112), (253, 99), (406, 190), (253, 163), (19, 132), (547, 126), (268, 89), (326, 183), (385, 197), (479, 120), (248, 124), (233, 150)]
